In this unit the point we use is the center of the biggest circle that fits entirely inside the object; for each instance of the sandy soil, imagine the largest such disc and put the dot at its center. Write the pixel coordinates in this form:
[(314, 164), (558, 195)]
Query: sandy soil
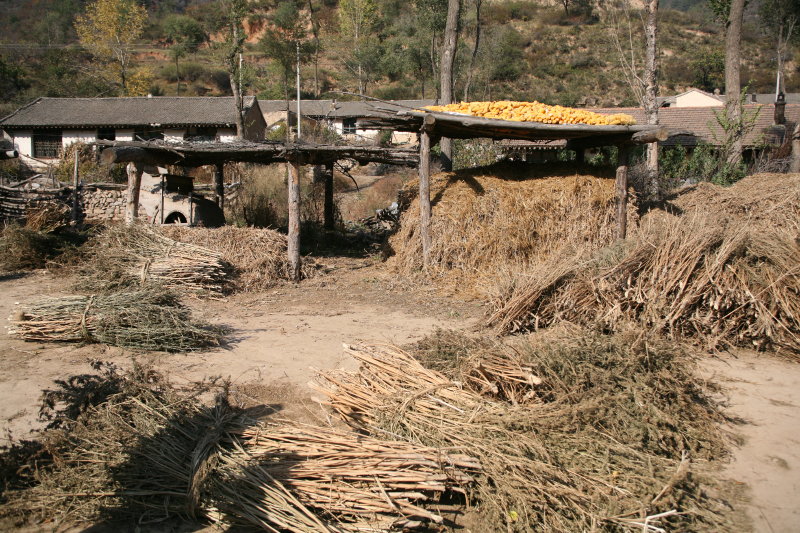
[(279, 337)]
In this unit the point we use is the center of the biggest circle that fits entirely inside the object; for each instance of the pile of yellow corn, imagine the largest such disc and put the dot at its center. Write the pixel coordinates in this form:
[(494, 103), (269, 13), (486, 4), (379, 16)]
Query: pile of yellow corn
[(535, 112)]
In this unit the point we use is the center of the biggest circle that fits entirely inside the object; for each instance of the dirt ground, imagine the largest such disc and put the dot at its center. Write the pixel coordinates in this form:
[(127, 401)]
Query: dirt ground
[(281, 335)]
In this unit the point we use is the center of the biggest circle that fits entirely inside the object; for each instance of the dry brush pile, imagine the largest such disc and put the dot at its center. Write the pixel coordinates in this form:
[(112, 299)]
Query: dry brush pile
[(489, 221), (611, 434), (131, 447), (258, 256), (726, 272)]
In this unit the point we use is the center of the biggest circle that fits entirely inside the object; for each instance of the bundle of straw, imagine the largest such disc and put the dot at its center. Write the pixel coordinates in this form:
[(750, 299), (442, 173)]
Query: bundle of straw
[(356, 481), (149, 319), (125, 256), (258, 255), (696, 277)]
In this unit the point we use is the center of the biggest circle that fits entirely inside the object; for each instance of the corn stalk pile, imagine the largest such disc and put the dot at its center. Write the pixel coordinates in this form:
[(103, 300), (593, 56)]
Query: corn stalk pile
[(534, 112), (545, 467), (125, 256), (722, 282), (148, 319), (258, 256), (141, 450)]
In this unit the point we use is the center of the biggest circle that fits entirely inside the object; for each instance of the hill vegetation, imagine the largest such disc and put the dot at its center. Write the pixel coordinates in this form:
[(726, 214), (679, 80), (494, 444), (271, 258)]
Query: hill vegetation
[(560, 53)]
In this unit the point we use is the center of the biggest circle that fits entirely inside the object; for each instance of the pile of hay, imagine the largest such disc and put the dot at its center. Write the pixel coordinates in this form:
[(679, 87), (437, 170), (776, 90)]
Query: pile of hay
[(760, 199), (722, 280), (257, 255), (125, 256), (613, 434), (130, 447), (148, 319), (496, 218)]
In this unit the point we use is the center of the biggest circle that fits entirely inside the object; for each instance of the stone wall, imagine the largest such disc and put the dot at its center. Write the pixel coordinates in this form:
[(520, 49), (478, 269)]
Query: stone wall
[(105, 201)]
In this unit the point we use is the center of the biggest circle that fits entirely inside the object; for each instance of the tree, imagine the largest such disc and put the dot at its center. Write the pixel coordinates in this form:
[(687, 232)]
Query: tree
[(733, 106), (780, 18), (233, 15), (356, 19), (281, 39), (185, 34), (448, 60), (109, 29), (475, 49), (709, 70)]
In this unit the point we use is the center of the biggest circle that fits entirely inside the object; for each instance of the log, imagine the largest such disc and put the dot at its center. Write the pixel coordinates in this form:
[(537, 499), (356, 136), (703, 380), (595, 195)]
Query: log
[(135, 154), (795, 164), (75, 189), (425, 191), (328, 177), (9, 154), (293, 239), (622, 192), (219, 184), (134, 184)]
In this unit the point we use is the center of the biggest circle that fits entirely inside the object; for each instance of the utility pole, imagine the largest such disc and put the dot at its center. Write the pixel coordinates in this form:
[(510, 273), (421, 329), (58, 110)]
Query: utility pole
[(298, 90)]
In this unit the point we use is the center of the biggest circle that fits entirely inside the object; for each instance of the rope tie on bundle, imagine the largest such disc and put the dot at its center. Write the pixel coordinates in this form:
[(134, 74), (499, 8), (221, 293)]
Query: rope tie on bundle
[(84, 330)]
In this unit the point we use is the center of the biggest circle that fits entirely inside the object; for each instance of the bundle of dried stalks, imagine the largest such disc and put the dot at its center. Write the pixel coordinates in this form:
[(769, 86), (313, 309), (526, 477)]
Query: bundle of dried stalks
[(148, 319), (258, 255), (47, 217), (357, 482), (125, 256), (496, 217), (696, 276), (129, 446), (551, 466)]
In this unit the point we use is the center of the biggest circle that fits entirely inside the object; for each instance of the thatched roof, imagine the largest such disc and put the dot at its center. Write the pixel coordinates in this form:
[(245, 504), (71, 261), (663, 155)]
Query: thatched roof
[(161, 111)]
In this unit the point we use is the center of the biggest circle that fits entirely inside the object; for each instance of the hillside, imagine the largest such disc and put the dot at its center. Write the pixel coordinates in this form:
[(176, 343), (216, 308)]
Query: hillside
[(528, 50)]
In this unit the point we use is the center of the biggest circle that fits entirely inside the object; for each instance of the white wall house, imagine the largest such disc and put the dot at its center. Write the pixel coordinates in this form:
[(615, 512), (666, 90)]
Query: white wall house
[(341, 117), (43, 129)]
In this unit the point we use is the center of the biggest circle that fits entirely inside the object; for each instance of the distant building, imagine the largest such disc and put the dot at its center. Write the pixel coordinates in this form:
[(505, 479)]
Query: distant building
[(42, 129), (341, 117)]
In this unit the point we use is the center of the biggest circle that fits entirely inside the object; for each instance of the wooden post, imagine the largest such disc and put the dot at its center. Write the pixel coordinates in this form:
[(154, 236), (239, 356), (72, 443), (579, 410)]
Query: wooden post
[(75, 187), (622, 191), (134, 184), (219, 184), (795, 164), (329, 222), (293, 244), (425, 189)]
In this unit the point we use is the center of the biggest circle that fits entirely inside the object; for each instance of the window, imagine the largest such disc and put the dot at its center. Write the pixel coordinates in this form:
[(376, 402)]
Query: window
[(47, 143), (107, 134), (349, 126), (148, 134)]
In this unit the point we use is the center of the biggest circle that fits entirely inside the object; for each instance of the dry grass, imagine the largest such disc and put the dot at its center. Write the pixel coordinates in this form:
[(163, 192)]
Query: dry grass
[(258, 256), (500, 217), (616, 430), (723, 282)]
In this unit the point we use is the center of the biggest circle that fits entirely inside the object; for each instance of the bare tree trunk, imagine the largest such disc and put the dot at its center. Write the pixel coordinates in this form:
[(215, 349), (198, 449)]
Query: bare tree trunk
[(474, 49), (448, 60), (293, 238), (315, 33), (733, 39), (134, 184), (651, 94)]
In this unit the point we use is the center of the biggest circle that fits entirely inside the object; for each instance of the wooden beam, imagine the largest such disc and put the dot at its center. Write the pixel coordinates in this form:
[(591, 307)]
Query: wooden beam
[(141, 156), (134, 184), (219, 184), (794, 166), (623, 156), (425, 189), (293, 239), (328, 177)]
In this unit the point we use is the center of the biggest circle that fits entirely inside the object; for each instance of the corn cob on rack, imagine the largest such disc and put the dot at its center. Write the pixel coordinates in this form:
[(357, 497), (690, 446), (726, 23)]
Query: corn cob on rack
[(535, 112)]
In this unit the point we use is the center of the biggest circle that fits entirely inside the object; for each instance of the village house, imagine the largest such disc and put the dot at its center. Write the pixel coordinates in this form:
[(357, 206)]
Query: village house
[(42, 129)]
